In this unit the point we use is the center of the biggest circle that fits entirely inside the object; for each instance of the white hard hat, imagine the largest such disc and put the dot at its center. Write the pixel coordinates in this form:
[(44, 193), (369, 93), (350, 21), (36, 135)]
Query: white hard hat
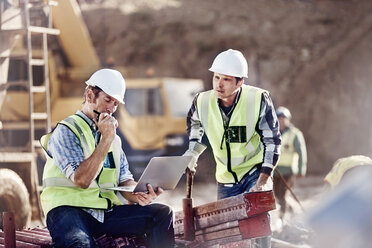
[(283, 111), (110, 81), (230, 62)]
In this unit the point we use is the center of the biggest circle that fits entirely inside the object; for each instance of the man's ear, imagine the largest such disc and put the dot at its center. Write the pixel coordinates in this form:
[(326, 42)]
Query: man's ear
[(89, 96), (240, 82)]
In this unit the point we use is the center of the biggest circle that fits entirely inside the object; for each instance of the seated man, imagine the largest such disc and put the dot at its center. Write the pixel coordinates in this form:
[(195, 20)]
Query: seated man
[(84, 156)]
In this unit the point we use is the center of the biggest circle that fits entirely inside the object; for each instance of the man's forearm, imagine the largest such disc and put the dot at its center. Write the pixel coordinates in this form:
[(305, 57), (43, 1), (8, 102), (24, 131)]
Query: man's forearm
[(129, 196), (88, 169)]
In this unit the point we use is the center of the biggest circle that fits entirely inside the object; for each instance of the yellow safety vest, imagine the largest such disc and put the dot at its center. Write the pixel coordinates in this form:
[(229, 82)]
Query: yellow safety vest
[(60, 191), (288, 155), (344, 164), (237, 148)]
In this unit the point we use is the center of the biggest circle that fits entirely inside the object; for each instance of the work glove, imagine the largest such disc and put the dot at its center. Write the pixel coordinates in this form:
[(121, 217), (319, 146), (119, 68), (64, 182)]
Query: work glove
[(195, 149)]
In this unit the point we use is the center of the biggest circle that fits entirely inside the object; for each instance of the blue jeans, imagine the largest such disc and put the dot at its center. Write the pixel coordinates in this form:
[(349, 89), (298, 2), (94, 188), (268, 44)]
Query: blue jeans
[(245, 184), (73, 227)]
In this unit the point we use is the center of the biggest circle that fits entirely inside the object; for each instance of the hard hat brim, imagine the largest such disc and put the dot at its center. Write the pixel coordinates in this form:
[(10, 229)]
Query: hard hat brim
[(117, 97)]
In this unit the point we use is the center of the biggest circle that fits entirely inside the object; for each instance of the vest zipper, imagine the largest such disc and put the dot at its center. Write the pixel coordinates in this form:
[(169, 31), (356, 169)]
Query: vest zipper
[(229, 169), (228, 150)]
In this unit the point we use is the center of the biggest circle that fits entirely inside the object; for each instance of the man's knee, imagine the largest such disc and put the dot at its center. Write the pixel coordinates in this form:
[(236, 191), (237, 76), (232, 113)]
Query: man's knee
[(161, 213), (75, 238), (163, 210)]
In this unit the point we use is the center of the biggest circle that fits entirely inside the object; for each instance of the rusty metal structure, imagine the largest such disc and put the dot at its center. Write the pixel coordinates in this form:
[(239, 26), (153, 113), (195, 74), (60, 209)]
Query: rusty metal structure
[(229, 222)]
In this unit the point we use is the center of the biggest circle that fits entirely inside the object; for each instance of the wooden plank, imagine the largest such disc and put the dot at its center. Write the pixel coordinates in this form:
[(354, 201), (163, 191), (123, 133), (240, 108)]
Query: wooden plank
[(220, 205), (220, 216), (220, 227), (33, 238), (18, 244), (39, 231), (218, 235), (179, 228)]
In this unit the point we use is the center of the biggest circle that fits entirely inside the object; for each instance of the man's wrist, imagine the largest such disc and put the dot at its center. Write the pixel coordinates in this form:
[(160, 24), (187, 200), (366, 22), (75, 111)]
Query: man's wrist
[(266, 168)]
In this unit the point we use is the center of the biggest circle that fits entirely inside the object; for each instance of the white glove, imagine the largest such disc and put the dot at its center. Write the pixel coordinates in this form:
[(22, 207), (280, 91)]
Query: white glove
[(195, 149)]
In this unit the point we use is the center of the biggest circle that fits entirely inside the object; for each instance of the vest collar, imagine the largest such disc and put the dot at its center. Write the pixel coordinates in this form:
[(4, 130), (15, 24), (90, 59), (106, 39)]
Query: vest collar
[(86, 118), (228, 110)]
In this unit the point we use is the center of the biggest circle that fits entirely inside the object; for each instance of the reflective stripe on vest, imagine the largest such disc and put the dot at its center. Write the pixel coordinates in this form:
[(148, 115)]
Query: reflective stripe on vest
[(288, 155), (59, 191), (245, 153)]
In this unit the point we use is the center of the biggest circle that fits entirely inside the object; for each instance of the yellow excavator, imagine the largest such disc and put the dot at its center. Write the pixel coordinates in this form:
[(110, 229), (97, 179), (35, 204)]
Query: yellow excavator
[(46, 54)]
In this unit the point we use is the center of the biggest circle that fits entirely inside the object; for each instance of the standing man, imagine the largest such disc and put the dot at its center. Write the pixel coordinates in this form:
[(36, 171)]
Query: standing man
[(241, 126), (293, 157), (84, 156)]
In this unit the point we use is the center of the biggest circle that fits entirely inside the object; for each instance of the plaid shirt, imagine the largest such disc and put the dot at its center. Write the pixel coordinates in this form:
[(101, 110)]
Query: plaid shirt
[(267, 127), (65, 148)]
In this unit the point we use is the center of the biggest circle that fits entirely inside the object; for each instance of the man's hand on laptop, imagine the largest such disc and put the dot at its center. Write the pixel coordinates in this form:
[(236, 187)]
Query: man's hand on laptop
[(145, 198)]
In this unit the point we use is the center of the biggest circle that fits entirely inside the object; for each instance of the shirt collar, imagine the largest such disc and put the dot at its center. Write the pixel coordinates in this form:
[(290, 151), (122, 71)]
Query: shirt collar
[(227, 111), (237, 96), (87, 119)]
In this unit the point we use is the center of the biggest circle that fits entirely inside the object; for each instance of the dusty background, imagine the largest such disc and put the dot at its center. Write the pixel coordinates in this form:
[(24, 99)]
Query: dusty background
[(315, 57)]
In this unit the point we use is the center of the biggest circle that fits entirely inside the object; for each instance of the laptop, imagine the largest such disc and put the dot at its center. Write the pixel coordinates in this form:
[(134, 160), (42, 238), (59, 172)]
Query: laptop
[(163, 172)]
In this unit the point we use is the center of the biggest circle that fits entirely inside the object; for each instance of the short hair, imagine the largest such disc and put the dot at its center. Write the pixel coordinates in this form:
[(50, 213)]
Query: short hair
[(96, 90), (238, 79)]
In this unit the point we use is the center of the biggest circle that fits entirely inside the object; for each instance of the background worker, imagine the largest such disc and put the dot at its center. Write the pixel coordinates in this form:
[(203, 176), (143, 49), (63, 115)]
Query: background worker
[(84, 155), (293, 157)]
